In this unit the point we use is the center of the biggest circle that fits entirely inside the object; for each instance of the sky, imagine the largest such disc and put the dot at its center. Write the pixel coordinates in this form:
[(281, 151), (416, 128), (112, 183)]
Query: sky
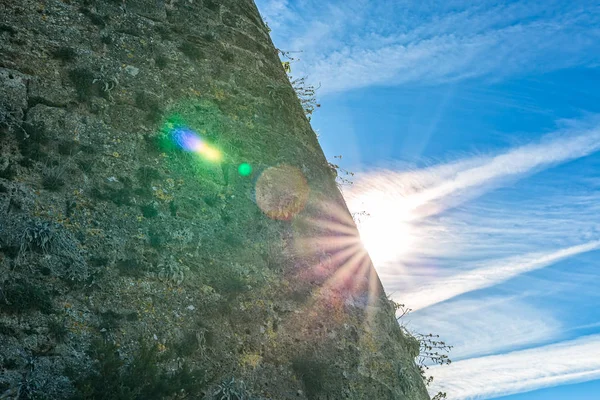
[(473, 129)]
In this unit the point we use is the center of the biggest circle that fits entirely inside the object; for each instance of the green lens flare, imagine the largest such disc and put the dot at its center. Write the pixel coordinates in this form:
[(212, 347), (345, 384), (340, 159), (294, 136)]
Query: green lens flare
[(245, 169)]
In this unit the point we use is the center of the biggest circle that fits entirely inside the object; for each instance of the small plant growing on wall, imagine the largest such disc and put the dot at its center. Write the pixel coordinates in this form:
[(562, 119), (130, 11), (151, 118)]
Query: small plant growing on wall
[(432, 351), (341, 175), (54, 178), (307, 95), (305, 91), (231, 390)]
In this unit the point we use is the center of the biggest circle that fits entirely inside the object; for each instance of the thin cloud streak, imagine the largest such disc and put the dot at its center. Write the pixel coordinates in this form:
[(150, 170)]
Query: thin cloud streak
[(516, 162), (447, 185), (485, 326), (520, 371), (487, 276)]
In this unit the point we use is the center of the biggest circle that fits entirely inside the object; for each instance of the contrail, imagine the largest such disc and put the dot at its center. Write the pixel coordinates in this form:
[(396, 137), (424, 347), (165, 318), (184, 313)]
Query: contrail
[(490, 275)]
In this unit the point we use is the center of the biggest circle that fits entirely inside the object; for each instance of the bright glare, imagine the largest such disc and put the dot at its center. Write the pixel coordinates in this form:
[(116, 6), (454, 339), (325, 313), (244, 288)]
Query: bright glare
[(386, 233), (385, 239)]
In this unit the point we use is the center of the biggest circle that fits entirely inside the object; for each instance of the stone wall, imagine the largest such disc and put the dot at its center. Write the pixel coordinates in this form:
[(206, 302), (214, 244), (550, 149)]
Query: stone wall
[(169, 226)]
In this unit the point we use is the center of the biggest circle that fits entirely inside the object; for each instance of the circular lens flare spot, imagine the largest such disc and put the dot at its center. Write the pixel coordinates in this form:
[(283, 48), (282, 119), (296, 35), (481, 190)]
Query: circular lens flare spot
[(245, 169), (282, 192)]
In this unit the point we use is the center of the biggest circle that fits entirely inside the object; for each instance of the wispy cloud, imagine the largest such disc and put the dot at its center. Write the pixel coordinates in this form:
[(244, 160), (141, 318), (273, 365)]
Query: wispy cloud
[(277, 12), (488, 275), (356, 44), (520, 371), (427, 191), (485, 326)]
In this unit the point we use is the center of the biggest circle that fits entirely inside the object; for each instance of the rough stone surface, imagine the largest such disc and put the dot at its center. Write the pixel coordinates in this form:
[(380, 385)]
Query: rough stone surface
[(134, 268)]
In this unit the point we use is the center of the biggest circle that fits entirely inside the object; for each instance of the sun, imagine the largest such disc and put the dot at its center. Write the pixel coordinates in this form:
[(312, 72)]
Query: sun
[(386, 232), (386, 239)]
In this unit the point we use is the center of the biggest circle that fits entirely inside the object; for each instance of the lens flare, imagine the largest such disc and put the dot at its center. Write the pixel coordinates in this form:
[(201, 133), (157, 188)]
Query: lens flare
[(282, 192), (341, 268), (245, 169), (188, 140)]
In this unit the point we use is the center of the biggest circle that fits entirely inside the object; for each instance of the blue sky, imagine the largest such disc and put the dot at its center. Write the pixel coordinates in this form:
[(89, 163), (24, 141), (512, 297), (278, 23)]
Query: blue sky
[(475, 135)]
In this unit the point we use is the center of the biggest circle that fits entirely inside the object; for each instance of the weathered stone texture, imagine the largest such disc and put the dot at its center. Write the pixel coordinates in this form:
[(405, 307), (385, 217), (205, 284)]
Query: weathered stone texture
[(132, 269)]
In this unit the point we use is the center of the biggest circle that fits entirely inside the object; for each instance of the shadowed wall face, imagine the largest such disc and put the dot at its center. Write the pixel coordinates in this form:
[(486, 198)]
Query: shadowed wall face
[(168, 222)]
